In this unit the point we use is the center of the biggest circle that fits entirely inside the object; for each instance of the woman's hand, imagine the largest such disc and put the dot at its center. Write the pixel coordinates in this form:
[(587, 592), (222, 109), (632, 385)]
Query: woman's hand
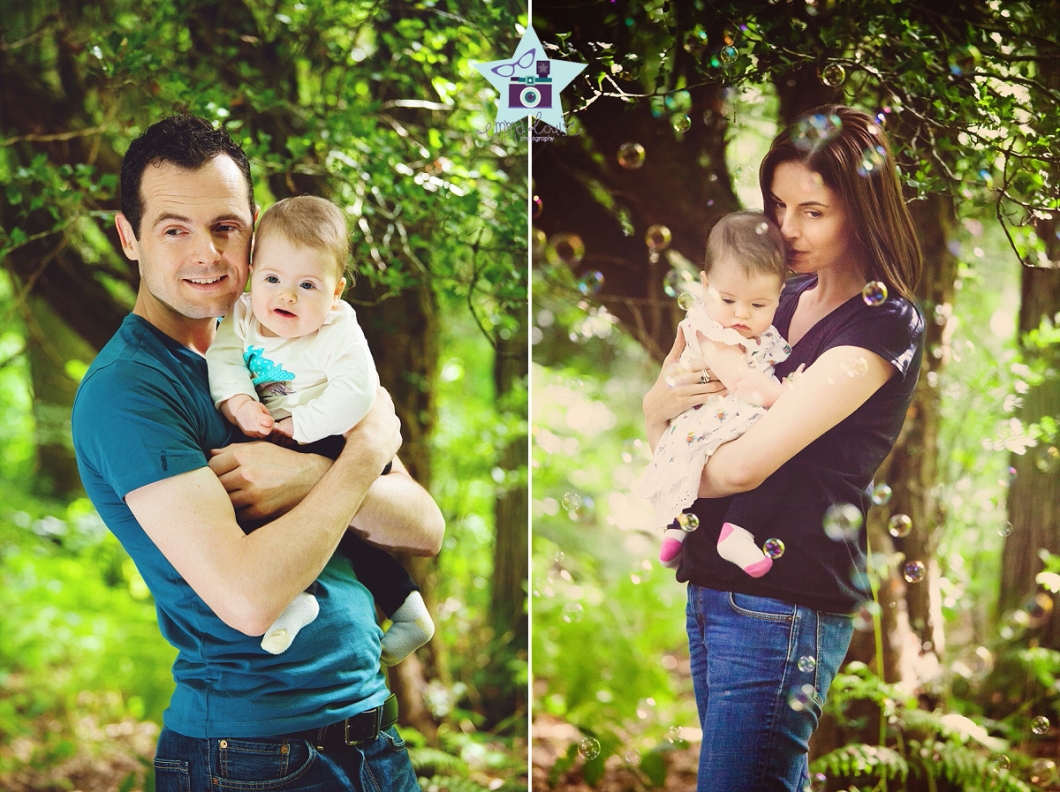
[(677, 389)]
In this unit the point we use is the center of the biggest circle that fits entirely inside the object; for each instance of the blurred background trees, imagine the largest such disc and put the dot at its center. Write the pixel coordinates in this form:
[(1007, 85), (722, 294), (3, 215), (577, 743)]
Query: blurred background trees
[(666, 128), (374, 105)]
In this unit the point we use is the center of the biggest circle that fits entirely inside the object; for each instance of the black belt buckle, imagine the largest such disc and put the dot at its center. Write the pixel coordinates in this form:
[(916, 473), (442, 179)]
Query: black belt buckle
[(376, 714)]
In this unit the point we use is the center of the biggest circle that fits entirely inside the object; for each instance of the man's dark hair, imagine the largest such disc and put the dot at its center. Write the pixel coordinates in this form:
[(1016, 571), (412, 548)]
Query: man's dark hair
[(186, 141)]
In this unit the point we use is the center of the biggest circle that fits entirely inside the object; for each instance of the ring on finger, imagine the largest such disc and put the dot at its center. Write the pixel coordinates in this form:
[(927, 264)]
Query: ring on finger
[(704, 378)]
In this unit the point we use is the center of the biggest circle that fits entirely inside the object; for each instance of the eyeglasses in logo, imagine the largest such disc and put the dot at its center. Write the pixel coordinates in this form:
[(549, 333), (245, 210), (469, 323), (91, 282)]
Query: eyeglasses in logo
[(527, 91)]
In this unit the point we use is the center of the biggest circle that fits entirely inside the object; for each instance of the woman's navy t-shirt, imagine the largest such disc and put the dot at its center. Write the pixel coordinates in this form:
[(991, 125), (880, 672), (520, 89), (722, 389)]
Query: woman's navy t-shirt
[(816, 571)]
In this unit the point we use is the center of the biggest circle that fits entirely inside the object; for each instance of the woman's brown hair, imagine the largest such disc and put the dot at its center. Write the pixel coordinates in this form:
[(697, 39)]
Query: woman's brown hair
[(853, 156)]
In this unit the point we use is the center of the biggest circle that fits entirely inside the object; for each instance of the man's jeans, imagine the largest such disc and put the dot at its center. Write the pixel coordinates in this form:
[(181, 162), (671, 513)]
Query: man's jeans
[(761, 669), (186, 764)]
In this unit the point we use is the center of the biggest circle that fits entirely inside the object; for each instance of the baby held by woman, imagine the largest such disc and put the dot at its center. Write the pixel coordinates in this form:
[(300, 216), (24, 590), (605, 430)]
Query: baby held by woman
[(728, 335)]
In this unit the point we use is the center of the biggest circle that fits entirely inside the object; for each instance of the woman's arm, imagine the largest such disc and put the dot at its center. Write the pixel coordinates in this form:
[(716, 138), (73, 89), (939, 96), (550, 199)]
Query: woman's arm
[(675, 390), (823, 396)]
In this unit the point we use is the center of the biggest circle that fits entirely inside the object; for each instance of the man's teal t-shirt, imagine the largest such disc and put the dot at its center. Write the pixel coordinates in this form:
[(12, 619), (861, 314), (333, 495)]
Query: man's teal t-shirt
[(143, 413)]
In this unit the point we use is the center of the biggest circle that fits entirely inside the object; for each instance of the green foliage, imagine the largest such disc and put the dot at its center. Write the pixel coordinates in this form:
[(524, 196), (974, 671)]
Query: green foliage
[(918, 743)]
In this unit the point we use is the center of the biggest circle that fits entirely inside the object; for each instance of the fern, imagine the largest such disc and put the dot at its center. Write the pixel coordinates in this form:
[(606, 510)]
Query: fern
[(857, 760), (970, 770), (432, 762), (442, 783)]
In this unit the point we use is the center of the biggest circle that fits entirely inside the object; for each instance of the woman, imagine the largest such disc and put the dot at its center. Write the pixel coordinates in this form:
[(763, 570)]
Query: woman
[(764, 650)]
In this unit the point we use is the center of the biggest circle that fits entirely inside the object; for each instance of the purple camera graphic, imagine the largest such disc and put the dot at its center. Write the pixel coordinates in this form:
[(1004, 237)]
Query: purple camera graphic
[(528, 92)]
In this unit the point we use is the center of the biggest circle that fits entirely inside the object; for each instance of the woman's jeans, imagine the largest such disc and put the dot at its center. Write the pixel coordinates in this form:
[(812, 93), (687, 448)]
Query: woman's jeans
[(187, 764), (761, 668)]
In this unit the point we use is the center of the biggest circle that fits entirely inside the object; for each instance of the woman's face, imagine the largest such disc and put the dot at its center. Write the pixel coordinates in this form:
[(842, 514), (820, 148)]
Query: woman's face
[(812, 219)]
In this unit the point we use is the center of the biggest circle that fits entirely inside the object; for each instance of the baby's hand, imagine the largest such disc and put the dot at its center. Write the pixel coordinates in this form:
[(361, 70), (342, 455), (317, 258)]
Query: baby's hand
[(251, 416), (284, 426)]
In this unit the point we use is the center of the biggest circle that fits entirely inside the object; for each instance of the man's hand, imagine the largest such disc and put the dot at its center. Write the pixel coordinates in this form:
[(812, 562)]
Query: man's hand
[(251, 416), (376, 438), (265, 480)]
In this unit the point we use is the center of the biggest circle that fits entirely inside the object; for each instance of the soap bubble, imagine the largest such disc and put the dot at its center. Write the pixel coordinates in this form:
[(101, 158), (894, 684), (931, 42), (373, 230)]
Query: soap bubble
[(727, 55), (833, 75), (761, 228), (538, 206), (687, 522), (560, 555), (1010, 476), (1047, 459), (1005, 530), (1037, 610), (858, 367), (900, 525), (774, 548), (572, 612), (1040, 725), (1043, 772), (589, 747), (657, 238), (631, 755), (566, 248), (864, 619), (812, 131), (962, 59), (818, 782), (913, 571), (800, 699), (673, 734), (571, 501), (591, 282), (676, 282), (539, 243), (686, 301), (874, 293), (881, 494), (631, 155), (842, 522), (681, 122), (807, 663), (999, 763), (695, 41), (872, 160)]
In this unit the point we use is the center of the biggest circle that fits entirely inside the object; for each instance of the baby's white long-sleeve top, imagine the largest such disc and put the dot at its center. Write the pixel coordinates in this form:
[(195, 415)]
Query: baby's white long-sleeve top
[(326, 380)]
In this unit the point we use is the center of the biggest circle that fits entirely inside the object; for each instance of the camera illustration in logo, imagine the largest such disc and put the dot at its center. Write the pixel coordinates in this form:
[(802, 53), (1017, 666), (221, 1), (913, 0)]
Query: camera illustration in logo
[(532, 91)]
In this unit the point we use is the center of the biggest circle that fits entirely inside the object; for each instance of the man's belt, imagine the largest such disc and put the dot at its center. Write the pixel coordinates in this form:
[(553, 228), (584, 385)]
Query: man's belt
[(360, 728)]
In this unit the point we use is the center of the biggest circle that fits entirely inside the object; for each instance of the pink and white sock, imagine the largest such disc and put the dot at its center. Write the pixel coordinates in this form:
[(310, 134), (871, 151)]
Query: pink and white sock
[(738, 546), (672, 543)]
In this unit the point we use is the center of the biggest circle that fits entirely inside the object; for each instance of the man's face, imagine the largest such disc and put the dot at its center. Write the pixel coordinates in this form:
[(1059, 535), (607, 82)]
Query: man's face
[(194, 242)]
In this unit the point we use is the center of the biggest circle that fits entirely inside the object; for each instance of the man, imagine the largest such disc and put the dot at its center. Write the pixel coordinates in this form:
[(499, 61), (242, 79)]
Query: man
[(160, 465)]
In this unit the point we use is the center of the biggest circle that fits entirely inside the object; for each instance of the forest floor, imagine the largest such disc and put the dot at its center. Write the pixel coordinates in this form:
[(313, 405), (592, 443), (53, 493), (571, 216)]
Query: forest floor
[(552, 740)]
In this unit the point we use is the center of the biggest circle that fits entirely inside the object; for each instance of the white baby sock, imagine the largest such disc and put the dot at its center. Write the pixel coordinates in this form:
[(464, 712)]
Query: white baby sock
[(295, 616), (410, 628), (738, 546)]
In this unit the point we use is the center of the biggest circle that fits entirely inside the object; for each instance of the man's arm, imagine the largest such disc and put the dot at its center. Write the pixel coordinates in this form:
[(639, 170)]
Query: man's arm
[(263, 479), (248, 579)]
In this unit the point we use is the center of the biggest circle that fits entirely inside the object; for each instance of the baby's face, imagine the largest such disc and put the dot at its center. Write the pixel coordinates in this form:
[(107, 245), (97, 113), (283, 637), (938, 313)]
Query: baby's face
[(292, 287), (745, 302)]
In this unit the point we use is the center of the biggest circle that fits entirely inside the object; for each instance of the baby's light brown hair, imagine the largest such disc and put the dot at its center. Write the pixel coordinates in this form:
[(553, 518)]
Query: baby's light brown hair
[(749, 241), (309, 221)]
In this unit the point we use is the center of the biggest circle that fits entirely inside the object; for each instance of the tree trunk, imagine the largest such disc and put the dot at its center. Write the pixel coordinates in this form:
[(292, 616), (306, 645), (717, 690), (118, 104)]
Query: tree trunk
[(508, 612), (1034, 494), (50, 344), (402, 333)]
